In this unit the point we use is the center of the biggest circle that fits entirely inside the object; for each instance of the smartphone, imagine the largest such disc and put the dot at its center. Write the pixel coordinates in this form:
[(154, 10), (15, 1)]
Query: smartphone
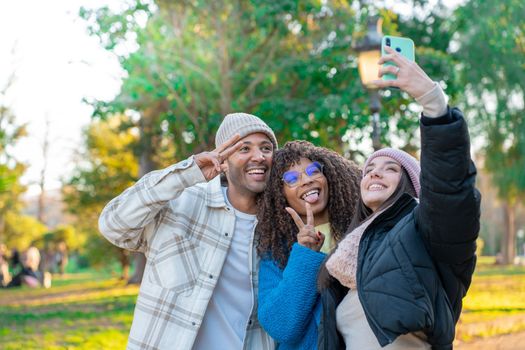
[(404, 46)]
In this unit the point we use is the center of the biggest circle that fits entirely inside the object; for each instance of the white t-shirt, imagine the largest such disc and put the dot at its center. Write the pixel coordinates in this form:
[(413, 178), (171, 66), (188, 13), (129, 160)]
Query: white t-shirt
[(226, 318)]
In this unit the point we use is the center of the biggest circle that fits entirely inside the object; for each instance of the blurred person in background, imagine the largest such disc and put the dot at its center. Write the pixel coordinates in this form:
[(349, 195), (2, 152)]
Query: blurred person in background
[(30, 275), (5, 277)]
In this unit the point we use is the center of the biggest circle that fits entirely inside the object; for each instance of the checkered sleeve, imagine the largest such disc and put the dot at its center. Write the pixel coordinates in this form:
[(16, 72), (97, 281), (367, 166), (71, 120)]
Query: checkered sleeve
[(129, 219)]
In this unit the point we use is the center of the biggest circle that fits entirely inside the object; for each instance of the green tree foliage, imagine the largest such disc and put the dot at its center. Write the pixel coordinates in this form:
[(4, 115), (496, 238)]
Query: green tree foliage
[(21, 231), (67, 234), (10, 169), (289, 62), (197, 61), (104, 170), (491, 37), (16, 230)]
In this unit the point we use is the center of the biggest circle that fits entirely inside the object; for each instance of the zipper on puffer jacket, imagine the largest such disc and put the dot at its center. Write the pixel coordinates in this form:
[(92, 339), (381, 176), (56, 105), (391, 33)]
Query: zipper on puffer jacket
[(376, 328), (396, 210)]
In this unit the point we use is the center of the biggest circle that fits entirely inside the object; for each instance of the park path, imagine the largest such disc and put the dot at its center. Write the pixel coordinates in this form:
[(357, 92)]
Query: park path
[(82, 291), (514, 341)]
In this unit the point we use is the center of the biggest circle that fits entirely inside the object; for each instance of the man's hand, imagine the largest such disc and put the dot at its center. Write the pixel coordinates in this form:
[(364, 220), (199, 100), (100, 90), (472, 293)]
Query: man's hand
[(212, 163), (307, 235), (410, 77)]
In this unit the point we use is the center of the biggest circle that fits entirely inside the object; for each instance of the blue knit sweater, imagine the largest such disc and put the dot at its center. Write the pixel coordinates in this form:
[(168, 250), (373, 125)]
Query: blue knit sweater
[(289, 305)]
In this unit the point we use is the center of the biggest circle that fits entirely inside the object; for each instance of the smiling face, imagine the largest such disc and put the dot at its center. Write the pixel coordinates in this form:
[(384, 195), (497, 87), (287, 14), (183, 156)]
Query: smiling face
[(313, 190), (249, 167), (381, 178)]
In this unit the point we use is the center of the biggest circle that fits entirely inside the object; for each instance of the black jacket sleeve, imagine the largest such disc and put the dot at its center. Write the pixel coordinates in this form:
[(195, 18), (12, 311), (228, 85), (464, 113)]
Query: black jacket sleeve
[(449, 210)]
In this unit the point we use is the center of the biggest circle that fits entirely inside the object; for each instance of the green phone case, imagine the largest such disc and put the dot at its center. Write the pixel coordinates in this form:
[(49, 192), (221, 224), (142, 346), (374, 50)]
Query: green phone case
[(404, 46)]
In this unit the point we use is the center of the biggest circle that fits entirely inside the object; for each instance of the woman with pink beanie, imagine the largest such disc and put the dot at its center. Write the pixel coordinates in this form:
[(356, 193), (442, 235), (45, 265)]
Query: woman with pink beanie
[(397, 278)]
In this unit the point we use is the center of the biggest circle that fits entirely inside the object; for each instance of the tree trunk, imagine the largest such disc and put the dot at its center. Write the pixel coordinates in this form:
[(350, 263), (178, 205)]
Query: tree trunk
[(125, 264), (508, 245), (146, 164), (41, 201), (2, 226), (139, 260), (375, 107), (224, 67), (41, 214)]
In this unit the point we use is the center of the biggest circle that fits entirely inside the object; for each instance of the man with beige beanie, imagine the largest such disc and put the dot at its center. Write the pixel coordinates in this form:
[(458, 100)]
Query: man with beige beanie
[(200, 283)]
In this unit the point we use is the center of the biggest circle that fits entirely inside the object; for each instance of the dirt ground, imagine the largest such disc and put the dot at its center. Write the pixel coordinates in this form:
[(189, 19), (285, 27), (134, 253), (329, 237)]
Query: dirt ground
[(515, 341)]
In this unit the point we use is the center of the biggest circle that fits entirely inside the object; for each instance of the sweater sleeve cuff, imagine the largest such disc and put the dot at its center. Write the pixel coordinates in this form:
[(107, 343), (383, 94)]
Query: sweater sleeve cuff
[(434, 102), (446, 118), (309, 254)]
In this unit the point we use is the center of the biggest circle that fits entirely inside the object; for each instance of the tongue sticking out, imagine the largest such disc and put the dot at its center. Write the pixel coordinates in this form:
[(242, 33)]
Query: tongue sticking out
[(312, 198)]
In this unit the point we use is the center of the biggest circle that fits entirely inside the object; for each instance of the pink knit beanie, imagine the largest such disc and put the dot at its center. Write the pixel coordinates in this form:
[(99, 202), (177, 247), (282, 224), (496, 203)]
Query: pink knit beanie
[(409, 163)]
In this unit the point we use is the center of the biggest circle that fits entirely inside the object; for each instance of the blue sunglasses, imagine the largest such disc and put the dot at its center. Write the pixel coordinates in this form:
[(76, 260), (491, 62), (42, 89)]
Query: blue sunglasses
[(291, 178)]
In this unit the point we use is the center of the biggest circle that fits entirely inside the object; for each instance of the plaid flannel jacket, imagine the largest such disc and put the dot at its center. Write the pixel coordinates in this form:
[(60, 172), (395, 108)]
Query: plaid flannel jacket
[(184, 227)]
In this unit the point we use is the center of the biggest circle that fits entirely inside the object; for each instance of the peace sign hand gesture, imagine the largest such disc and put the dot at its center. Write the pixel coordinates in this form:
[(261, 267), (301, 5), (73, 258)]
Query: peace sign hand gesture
[(212, 163), (307, 235)]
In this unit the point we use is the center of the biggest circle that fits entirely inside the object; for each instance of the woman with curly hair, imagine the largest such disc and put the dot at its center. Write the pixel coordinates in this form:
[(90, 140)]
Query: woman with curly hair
[(306, 208)]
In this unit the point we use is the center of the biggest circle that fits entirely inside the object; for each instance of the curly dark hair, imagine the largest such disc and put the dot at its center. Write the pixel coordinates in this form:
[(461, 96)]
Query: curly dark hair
[(276, 231)]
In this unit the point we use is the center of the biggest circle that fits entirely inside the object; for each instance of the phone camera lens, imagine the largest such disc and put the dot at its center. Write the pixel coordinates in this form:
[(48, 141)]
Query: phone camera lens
[(387, 41)]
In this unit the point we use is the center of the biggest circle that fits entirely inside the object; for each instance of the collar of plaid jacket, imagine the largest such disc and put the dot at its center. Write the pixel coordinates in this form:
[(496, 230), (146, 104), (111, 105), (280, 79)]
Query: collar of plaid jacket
[(214, 197)]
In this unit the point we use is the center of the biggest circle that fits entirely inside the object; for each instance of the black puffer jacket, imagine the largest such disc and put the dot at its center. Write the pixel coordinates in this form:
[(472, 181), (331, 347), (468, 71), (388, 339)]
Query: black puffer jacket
[(415, 261)]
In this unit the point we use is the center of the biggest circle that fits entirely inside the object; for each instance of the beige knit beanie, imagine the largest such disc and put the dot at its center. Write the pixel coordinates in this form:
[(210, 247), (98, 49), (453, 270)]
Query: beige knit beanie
[(243, 124)]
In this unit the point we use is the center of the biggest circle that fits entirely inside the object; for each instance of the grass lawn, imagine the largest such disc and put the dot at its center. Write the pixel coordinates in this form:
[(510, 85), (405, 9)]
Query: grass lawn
[(94, 311), (495, 303), (83, 311)]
